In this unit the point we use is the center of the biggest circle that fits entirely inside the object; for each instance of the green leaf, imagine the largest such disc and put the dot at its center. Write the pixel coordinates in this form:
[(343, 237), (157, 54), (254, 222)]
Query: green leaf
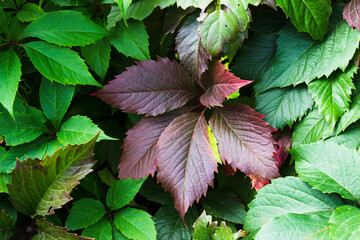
[(297, 227), (308, 16), (345, 223), (222, 203), (39, 187), (6, 205), (29, 12), (350, 138), (106, 176), (311, 129), (166, 3), (287, 195), (10, 73), (4, 21), (79, 129), (141, 9), (193, 3), (6, 223), (4, 179), (135, 224), (214, 145), (122, 192), (300, 59), (132, 41), (124, 5), (283, 106), (70, 3), (84, 213), (58, 27), (332, 95), (59, 64), (101, 230), (55, 99), (351, 116), (97, 55), (154, 192), (223, 233), (329, 167), (204, 228)]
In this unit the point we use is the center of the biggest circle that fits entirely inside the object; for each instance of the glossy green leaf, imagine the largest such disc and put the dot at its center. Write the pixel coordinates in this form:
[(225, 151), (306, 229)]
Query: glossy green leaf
[(55, 99), (166, 3), (122, 192), (6, 223), (97, 55), (4, 179), (351, 116), (101, 230), (58, 27), (59, 64), (84, 213), (135, 224), (345, 223), (204, 228), (124, 5), (29, 12)]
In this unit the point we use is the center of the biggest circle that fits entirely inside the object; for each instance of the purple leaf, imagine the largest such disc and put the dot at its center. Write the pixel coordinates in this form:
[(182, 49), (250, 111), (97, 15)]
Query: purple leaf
[(283, 142), (219, 84), (185, 160), (150, 87), (138, 160), (245, 140), (351, 14), (258, 182)]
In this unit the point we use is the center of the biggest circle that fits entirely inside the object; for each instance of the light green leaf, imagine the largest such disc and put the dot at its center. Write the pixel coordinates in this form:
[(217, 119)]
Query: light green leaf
[(350, 138), (193, 3), (58, 27), (141, 9), (39, 187), (287, 195), (59, 64), (79, 129), (297, 227), (122, 192), (283, 106), (101, 230), (204, 228), (124, 5), (332, 94), (308, 16), (6, 223), (135, 224), (311, 129), (351, 116), (4, 179), (214, 145), (10, 73), (223, 233), (84, 213), (29, 12), (300, 59), (55, 99), (166, 3), (345, 223), (97, 56), (132, 41), (329, 167)]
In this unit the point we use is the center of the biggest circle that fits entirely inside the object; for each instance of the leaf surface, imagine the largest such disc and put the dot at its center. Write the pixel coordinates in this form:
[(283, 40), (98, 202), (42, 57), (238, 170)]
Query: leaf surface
[(29, 12), (124, 6), (101, 230), (204, 228), (6, 223), (351, 116), (345, 223), (193, 3), (351, 14)]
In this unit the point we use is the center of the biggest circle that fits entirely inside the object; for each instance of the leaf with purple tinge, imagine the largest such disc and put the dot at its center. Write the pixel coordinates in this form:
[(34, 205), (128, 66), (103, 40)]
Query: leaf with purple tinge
[(351, 13), (245, 140), (283, 143), (219, 84), (185, 160), (150, 87), (138, 160)]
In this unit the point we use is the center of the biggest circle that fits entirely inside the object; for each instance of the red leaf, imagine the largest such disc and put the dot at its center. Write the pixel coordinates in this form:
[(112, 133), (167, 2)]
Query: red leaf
[(351, 13), (185, 160), (150, 87), (219, 84), (283, 142), (245, 140), (258, 182), (138, 160)]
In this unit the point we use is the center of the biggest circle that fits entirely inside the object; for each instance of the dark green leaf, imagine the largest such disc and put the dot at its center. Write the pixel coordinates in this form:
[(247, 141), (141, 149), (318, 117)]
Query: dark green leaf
[(29, 12), (4, 179), (154, 192), (6, 223)]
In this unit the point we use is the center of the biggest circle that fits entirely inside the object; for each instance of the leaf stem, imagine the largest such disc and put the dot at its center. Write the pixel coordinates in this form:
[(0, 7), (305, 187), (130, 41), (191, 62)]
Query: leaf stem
[(16, 5)]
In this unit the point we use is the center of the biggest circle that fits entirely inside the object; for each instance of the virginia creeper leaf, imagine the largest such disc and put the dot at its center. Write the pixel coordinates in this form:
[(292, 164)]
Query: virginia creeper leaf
[(6, 225), (351, 14), (166, 3), (308, 16), (351, 116), (139, 10), (29, 12), (230, 48), (39, 187), (173, 17), (185, 160), (58, 27), (219, 84), (223, 233), (124, 5), (193, 3), (101, 230), (345, 223), (59, 64), (283, 140), (350, 138), (204, 228), (245, 140), (150, 87)]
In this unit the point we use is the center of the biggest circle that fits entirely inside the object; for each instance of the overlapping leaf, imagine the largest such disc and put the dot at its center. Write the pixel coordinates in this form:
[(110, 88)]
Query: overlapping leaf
[(150, 88), (351, 116), (102, 230), (351, 14), (6, 225), (193, 3), (29, 12), (345, 223)]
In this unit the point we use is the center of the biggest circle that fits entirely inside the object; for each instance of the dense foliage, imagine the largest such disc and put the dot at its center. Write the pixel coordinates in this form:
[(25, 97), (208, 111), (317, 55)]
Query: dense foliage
[(257, 99)]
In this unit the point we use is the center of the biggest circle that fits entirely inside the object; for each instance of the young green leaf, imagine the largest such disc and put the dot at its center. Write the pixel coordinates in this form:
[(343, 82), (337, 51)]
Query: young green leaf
[(29, 12), (102, 230), (58, 27), (135, 224), (345, 223), (204, 228), (124, 5), (59, 64), (6, 225), (223, 233)]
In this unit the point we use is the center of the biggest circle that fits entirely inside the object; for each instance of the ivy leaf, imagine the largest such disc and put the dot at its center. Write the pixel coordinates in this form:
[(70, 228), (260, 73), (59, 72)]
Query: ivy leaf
[(55, 99), (311, 17), (219, 84), (135, 224), (59, 64), (329, 167), (10, 73), (345, 223), (79, 129), (101, 230), (351, 116), (6, 225), (58, 27), (132, 41), (193, 3), (351, 14), (332, 95), (186, 169), (124, 5), (300, 59), (287, 195), (283, 106), (122, 192), (29, 12), (245, 140), (85, 212), (39, 187), (150, 88)]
